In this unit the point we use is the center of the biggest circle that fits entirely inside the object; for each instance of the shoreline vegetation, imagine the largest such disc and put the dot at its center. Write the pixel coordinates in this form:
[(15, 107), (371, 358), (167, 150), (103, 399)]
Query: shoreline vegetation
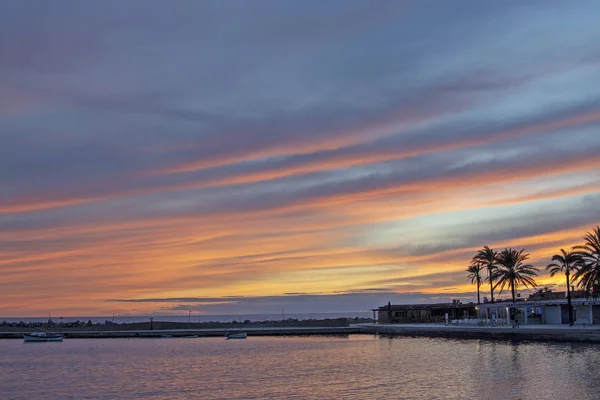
[(151, 325)]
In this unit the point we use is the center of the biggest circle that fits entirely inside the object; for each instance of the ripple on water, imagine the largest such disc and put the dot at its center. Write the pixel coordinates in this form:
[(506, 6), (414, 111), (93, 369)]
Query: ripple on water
[(354, 367)]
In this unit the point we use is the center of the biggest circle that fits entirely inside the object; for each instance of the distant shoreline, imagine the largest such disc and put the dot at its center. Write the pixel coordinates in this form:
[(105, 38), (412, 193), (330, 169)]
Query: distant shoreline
[(196, 333), (193, 318), (341, 326), (156, 328)]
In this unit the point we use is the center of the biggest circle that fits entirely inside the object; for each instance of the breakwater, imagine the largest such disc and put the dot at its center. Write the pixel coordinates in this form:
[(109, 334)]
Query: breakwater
[(156, 329), (189, 333)]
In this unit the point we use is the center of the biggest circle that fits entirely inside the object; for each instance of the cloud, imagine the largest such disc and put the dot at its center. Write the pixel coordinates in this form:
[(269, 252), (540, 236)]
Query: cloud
[(352, 302), (216, 151), (390, 150)]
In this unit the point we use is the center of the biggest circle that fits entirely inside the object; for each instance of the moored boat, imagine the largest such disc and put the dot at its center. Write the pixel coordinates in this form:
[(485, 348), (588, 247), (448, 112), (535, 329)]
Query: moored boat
[(43, 337), (236, 335)]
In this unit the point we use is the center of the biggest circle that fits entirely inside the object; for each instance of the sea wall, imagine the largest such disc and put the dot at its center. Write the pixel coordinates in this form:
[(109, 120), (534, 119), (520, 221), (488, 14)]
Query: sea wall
[(562, 333), (217, 332), (178, 329)]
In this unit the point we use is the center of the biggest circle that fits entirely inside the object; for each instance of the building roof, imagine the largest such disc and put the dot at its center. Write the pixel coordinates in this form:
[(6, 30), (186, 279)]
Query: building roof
[(396, 307)]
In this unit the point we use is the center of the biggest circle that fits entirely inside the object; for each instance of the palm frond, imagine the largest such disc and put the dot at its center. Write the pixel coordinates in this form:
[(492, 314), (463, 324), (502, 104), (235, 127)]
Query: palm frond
[(588, 273), (513, 270)]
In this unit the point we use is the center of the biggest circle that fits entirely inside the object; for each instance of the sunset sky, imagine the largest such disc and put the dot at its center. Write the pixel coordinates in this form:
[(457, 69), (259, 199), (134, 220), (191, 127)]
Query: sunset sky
[(231, 157)]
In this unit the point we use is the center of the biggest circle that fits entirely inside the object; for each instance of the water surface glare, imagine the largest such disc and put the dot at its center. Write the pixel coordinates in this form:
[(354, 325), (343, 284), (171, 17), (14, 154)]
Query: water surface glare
[(353, 367)]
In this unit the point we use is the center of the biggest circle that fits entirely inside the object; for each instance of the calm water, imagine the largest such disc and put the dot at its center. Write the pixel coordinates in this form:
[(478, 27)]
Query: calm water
[(355, 367)]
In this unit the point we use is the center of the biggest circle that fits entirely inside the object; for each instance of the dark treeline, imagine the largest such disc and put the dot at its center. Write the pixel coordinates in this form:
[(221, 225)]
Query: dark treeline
[(157, 324)]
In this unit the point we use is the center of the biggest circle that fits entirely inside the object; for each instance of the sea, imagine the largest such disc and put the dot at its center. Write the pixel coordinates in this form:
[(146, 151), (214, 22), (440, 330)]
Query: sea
[(317, 367), (127, 319)]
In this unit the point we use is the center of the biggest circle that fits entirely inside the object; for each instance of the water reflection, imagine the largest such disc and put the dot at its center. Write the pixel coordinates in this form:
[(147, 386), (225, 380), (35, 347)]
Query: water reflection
[(355, 367)]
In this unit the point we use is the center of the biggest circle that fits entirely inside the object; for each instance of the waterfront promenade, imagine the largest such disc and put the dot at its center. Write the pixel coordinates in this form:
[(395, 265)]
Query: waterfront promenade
[(540, 332)]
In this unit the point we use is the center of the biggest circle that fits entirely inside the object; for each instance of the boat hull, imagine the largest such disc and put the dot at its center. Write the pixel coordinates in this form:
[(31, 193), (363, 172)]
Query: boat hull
[(55, 337), (236, 336)]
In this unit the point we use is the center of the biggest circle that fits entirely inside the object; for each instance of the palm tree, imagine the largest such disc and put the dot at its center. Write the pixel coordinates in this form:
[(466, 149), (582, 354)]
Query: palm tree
[(474, 276), (589, 272), (488, 259), (513, 272), (566, 263)]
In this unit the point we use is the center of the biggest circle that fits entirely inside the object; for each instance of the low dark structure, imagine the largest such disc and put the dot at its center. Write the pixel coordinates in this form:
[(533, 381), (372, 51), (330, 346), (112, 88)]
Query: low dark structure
[(424, 313)]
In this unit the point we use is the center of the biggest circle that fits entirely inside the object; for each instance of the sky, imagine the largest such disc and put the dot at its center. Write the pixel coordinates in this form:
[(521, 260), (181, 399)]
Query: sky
[(242, 157)]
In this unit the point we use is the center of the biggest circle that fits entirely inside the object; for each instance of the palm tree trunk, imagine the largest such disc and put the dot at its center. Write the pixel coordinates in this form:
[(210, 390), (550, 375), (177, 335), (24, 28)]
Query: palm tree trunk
[(491, 284), (478, 284), (571, 322), (512, 289)]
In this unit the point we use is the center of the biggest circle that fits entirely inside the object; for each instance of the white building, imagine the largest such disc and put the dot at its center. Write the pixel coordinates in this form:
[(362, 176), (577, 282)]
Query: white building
[(552, 311)]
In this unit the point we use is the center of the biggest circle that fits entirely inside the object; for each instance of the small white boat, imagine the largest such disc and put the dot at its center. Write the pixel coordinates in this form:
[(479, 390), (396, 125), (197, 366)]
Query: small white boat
[(43, 337), (236, 335)]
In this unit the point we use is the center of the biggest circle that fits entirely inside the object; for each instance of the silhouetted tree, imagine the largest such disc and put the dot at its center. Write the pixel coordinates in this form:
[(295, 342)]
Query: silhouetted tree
[(475, 277), (566, 262), (589, 272), (513, 272), (488, 259)]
